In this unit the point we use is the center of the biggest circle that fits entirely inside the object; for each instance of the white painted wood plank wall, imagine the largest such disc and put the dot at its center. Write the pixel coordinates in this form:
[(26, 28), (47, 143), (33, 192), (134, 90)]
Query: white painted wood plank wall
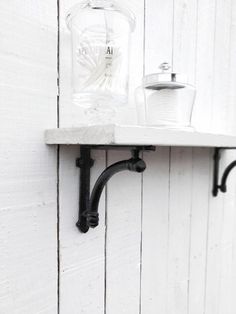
[(164, 245), (163, 239), (28, 174)]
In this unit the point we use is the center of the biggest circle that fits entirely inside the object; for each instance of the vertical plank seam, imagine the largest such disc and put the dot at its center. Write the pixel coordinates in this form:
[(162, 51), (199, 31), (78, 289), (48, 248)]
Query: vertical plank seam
[(214, 61), (196, 51), (229, 56), (229, 96), (58, 229), (173, 34), (105, 241), (58, 63), (207, 233), (141, 246), (211, 122), (193, 154), (230, 127), (58, 158), (142, 175), (168, 229), (221, 247), (190, 234), (233, 246), (170, 160), (144, 39), (196, 43)]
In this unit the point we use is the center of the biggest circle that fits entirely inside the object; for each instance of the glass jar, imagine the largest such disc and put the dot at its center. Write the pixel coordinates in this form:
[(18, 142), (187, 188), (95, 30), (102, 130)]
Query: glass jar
[(100, 56), (165, 100)]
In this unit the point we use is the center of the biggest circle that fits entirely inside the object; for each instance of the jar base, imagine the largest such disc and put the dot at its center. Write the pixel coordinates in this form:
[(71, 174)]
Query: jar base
[(99, 108), (90, 99)]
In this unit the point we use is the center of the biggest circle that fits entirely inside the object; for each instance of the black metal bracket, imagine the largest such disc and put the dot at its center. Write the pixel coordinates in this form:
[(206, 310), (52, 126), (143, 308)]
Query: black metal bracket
[(221, 185), (88, 204)]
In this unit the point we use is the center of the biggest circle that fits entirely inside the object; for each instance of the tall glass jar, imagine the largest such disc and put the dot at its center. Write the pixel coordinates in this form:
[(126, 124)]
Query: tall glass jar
[(100, 56)]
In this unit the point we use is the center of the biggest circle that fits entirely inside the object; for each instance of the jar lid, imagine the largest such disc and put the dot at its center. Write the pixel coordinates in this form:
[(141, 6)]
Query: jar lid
[(101, 5), (165, 79)]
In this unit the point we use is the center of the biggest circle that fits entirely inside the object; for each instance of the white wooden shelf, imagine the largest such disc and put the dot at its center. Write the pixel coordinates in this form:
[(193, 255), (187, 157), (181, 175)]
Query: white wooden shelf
[(137, 139), (135, 135)]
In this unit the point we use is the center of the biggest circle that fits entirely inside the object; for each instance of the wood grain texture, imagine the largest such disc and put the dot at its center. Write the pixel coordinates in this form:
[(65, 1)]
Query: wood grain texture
[(166, 245), (124, 214), (220, 262), (202, 114), (136, 58), (201, 192), (28, 87), (185, 38), (213, 258), (228, 263), (82, 264), (221, 70), (155, 227), (233, 258), (82, 255), (136, 135), (158, 34), (123, 240), (179, 230), (232, 74), (181, 168)]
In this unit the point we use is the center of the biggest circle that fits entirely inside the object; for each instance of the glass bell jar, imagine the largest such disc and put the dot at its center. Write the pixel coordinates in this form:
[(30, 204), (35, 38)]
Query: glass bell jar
[(165, 100), (101, 33)]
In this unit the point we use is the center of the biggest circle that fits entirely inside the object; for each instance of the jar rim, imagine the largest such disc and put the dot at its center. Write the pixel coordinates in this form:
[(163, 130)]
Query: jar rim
[(112, 7), (167, 78)]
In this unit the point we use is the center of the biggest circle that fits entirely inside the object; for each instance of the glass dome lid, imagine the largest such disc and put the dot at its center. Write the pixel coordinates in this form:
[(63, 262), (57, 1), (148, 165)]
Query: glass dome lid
[(165, 79), (101, 5)]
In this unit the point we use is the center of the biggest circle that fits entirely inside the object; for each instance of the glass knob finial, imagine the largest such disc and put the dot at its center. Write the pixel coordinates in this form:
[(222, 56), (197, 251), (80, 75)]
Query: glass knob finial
[(165, 66)]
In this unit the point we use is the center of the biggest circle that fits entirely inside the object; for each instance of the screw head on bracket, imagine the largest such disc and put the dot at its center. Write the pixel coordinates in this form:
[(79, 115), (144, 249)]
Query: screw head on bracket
[(137, 165), (80, 162)]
